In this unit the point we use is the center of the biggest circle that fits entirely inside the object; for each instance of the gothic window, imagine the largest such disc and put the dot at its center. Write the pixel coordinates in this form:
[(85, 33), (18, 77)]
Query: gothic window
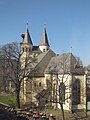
[(76, 92), (62, 92)]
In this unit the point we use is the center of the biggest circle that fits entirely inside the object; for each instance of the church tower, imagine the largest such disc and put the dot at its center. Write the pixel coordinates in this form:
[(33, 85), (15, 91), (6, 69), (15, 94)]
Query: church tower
[(26, 51), (44, 44), (26, 45)]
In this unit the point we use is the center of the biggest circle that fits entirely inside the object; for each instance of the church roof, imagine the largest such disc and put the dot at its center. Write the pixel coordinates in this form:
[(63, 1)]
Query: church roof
[(48, 62), (65, 63), (44, 38), (42, 62), (26, 37)]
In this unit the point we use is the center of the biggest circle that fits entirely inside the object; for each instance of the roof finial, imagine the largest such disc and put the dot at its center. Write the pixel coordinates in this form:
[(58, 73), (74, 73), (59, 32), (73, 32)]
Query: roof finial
[(71, 49), (44, 26), (27, 25)]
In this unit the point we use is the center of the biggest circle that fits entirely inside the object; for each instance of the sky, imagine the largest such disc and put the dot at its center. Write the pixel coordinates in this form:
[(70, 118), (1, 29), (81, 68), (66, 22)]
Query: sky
[(67, 23)]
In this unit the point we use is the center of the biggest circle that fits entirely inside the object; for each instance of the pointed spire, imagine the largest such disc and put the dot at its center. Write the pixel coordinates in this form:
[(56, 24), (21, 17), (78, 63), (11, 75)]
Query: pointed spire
[(27, 38), (44, 38)]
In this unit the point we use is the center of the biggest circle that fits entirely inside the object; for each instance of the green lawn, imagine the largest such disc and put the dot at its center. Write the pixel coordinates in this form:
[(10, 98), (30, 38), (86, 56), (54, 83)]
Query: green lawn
[(10, 100), (58, 114), (68, 114)]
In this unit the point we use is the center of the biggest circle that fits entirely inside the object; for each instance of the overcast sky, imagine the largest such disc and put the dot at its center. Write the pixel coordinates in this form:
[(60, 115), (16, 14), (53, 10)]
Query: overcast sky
[(67, 23)]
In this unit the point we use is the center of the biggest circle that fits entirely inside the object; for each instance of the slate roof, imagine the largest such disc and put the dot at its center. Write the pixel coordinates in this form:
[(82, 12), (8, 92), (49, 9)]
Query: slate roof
[(65, 63), (44, 38), (36, 49), (42, 62), (26, 37)]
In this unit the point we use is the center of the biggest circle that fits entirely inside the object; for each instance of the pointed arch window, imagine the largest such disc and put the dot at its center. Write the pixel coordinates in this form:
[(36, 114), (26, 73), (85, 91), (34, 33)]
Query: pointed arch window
[(76, 92), (62, 92)]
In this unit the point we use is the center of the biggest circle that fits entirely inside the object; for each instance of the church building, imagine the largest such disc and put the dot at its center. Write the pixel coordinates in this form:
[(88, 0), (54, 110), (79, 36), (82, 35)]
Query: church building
[(53, 79)]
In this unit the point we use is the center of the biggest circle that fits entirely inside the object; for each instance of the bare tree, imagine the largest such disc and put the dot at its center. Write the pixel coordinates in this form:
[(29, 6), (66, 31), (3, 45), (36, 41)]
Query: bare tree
[(79, 61), (58, 82), (19, 70), (11, 53), (3, 74), (63, 90)]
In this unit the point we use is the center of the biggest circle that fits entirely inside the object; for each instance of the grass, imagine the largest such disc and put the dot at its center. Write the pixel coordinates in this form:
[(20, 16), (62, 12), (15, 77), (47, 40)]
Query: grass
[(10, 100), (58, 114), (68, 114)]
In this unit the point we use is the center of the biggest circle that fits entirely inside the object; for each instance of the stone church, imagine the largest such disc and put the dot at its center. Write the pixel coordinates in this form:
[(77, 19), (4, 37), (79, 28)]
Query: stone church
[(53, 79)]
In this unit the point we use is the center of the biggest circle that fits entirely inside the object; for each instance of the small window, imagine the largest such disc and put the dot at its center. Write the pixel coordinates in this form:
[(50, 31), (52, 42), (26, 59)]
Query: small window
[(43, 50), (34, 84), (40, 84), (23, 49)]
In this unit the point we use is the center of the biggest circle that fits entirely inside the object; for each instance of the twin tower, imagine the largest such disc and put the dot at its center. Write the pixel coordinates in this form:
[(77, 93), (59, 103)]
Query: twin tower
[(27, 45)]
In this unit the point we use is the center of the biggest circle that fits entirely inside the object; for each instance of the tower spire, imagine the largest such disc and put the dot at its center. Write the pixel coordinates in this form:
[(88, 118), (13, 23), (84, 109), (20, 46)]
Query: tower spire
[(71, 49), (27, 37), (44, 38), (27, 44), (44, 26), (27, 25), (44, 44)]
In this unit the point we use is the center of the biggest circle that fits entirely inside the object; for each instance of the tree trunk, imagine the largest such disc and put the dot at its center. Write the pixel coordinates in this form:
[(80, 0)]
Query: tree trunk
[(63, 117), (17, 98), (4, 84)]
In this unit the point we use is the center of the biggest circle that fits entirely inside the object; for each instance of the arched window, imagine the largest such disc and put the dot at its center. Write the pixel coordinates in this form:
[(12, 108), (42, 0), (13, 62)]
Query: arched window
[(43, 50), (62, 92), (35, 85), (76, 92), (40, 84)]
